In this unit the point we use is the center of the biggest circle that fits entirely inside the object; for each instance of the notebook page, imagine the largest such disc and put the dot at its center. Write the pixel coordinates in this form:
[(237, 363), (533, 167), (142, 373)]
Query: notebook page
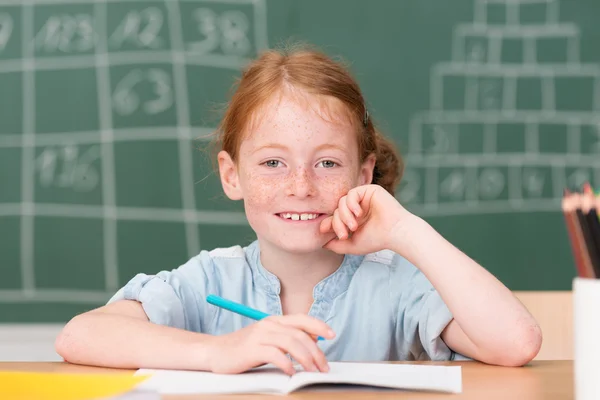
[(398, 376), (263, 380)]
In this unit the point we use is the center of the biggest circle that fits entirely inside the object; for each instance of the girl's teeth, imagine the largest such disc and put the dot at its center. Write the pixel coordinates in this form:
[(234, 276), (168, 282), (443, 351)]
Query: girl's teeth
[(299, 217)]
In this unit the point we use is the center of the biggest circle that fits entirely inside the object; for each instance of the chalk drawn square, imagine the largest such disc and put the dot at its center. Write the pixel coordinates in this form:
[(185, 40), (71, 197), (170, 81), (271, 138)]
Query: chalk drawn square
[(553, 49), (453, 184), (575, 93), (73, 259), (225, 34), (471, 138), (493, 182), (496, 13), (439, 138), (143, 95), (535, 12), (62, 30), (510, 137), (60, 101), (553, 138), (476, 48), (537, 181), (148, 174), (68, 173), (530, 93), (456, 90), (512, 50), (142, 26), (490, 93)]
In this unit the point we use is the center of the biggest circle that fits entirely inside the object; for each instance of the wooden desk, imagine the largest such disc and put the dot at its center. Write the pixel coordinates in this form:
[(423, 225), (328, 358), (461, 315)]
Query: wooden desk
[(547, 380)]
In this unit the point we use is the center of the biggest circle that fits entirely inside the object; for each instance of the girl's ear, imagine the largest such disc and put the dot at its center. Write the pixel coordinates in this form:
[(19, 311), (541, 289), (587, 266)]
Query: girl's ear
[(229, 176), (366, 170)]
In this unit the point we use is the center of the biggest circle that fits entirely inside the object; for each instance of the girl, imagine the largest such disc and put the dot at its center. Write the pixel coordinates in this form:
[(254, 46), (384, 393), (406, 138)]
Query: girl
[(336, 255)]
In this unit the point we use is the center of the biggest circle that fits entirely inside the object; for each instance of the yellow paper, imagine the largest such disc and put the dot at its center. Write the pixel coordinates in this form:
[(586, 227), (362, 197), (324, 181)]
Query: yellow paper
[(16, 385)]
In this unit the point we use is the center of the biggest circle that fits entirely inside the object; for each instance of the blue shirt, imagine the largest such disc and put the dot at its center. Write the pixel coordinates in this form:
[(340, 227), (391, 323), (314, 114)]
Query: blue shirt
[(381, 307)]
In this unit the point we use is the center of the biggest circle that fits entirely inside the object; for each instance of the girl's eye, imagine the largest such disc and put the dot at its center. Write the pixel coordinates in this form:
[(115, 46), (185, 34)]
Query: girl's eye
[(272, 163), (328, 164)]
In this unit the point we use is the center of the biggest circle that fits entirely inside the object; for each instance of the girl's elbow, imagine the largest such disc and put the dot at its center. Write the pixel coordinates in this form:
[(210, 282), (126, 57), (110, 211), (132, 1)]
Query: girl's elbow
[(531, 343), (525, 348), (60, 345), (65, 343)]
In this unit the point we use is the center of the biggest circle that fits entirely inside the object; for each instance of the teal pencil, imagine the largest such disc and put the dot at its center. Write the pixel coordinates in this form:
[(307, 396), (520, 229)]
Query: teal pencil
[(239, 308)]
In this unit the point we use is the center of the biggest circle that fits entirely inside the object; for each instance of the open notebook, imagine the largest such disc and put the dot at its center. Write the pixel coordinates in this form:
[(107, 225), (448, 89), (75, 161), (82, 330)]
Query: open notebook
[(268, 379)]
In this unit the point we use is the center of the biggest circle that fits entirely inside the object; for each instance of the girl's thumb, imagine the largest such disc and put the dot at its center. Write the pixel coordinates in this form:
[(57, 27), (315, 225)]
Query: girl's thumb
[(337, 246)]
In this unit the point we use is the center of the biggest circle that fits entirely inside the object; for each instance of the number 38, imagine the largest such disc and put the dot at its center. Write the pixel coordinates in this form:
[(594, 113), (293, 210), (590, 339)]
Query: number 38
[(228, 30)]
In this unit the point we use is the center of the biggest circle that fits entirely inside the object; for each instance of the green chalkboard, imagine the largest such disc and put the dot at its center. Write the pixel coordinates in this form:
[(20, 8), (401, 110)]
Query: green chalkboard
[(495, 105)]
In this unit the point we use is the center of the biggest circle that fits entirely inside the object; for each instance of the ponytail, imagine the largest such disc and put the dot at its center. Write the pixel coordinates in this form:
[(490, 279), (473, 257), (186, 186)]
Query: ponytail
[(388, 165)]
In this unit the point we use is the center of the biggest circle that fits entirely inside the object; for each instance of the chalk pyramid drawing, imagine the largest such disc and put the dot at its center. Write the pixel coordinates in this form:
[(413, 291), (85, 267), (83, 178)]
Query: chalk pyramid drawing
[(514, 117)]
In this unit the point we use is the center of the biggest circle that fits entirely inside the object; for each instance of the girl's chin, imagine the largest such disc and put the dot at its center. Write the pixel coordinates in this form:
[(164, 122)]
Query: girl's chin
[(302, 248), (299, 244)]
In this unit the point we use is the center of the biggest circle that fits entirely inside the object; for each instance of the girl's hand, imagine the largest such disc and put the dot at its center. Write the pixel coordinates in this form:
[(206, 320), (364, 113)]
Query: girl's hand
[(269, 341), (364, 221)]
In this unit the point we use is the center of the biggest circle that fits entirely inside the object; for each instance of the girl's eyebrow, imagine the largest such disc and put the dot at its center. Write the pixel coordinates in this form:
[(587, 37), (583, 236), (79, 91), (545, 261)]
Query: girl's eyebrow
[(324, 146), (329, 146), (271, 146)]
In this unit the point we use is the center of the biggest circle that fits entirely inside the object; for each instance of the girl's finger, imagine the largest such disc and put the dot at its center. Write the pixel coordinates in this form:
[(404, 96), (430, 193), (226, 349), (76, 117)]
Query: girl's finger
[(326, 225), (305, 328), (274, 355), (306, 323), (338, 226), (346, 215), (285, 339), (353, 201), (309, 343)]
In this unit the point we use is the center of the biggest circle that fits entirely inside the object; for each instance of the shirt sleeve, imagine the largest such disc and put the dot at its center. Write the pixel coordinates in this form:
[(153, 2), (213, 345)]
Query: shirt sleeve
[(421, 314), (174, 298)]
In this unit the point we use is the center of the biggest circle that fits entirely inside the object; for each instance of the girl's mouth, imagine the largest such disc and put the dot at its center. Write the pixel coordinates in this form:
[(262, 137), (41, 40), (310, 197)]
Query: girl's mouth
[(300, 217)]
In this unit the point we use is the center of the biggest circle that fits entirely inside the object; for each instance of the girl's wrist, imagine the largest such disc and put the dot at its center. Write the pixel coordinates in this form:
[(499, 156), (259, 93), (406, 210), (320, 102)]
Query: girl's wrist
[(204, 351), (405, 234)]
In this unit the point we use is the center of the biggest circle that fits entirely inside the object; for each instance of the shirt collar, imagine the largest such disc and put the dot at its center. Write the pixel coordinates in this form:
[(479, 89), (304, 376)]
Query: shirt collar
[(327, 289)]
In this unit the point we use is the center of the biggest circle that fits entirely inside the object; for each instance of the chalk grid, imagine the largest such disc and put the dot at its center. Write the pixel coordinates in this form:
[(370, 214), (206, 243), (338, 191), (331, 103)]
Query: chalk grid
[(458, 163), (154, 41), (514, 118)]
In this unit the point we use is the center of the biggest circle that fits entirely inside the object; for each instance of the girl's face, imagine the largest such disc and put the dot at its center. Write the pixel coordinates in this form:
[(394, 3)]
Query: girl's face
[(295, 163)]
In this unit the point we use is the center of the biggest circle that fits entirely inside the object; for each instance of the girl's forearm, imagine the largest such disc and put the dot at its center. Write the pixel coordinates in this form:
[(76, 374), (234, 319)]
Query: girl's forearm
[(117, 341), (486, 310)]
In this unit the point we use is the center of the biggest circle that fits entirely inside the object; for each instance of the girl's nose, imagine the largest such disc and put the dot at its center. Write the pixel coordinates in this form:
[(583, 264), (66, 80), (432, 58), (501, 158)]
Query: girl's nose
[(301, 183)]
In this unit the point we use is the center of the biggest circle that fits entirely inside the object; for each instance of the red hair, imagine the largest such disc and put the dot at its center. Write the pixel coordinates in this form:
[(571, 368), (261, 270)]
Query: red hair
[(317, 74)]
